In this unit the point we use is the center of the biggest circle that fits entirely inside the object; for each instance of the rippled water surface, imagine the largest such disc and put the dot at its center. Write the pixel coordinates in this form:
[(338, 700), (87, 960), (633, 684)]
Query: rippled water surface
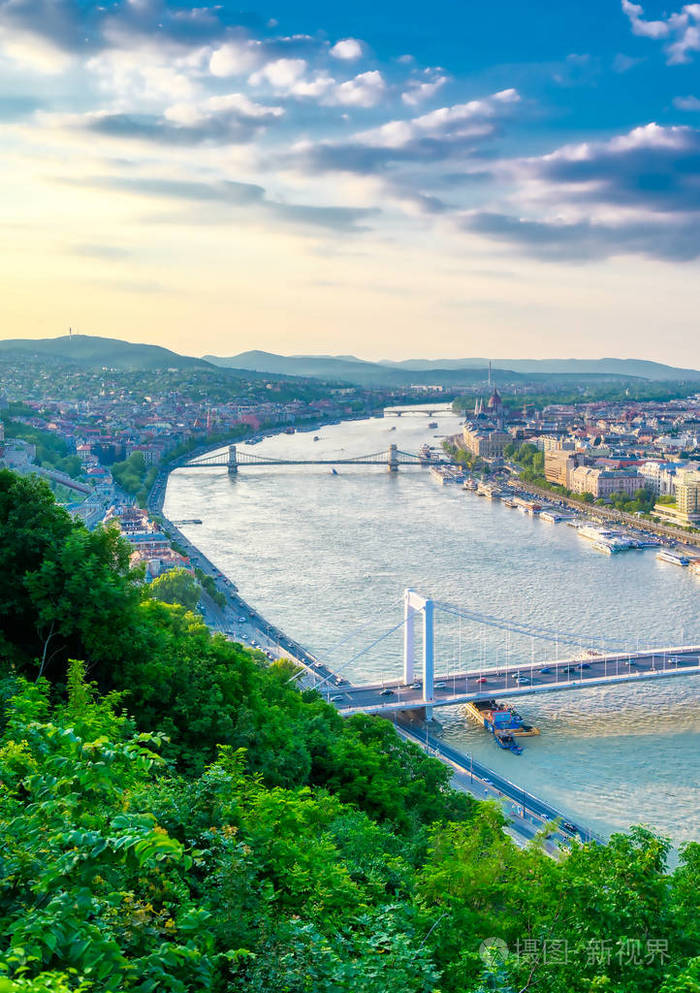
[(327, 557)]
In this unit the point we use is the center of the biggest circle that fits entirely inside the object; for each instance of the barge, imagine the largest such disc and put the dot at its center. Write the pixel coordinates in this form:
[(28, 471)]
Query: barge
[(502, 721)]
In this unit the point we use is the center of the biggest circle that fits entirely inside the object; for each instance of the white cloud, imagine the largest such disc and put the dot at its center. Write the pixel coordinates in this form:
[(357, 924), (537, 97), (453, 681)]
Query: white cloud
[(316, 89), (418, 92), (234, 58), (145, 74), (445, 120), (647, 29), (32, 51), (681, 31), (365, 90), (623, 63), (347, 49), (686, 103), (282, 74), (234, 103)]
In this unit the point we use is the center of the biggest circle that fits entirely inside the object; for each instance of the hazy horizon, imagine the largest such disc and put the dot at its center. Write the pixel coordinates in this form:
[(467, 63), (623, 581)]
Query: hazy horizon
[(386, 180), (363, 358)]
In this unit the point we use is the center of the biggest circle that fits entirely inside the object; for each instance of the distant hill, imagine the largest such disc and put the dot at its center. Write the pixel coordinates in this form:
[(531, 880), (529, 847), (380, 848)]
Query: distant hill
[(347, 369), (624, 368), (452, 372), (92, 351)]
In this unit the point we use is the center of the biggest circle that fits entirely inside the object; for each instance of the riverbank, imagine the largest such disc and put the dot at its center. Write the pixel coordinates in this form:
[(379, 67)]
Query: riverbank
[(527, 814), (240, 621)]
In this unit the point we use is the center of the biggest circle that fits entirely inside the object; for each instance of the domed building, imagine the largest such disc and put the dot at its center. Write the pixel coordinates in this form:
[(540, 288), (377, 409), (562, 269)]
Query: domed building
[(495, 407), (495, 402)]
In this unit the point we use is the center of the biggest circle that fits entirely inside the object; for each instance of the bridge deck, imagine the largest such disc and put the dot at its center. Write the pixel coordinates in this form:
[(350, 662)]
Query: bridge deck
[(456, 688), (261, 461), (244, 458)]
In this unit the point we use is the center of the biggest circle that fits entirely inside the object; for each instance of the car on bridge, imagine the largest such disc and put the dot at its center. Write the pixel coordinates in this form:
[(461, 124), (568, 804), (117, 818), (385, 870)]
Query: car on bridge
[(386, 692)]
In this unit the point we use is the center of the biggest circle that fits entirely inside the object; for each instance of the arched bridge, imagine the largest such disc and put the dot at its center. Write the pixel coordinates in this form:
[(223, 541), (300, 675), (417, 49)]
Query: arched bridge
[(391, 459)]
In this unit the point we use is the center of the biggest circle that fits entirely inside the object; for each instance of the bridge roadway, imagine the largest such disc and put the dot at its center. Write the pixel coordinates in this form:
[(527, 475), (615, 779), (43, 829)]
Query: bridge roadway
[(517, 681), (381, 459), (427, 411), (245, 459)]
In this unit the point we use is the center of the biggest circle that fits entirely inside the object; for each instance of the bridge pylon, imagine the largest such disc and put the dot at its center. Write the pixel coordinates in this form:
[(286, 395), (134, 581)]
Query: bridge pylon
[(414, 604), (232, 461), (392, 464)]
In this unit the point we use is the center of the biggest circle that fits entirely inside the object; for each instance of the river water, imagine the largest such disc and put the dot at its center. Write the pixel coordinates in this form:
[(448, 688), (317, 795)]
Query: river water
[(327, 557)]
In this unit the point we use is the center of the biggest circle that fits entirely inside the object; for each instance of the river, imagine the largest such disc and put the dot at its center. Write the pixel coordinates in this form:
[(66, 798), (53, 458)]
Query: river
[(327, 558)]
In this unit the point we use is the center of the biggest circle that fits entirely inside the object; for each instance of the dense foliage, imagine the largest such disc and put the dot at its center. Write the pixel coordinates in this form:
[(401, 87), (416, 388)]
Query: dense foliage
[(176, 816), (135, 476), (176, 586)]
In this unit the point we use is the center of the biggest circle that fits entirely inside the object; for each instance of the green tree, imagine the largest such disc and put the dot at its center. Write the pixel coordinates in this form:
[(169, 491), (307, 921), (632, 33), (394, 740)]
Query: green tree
[(176, 586)]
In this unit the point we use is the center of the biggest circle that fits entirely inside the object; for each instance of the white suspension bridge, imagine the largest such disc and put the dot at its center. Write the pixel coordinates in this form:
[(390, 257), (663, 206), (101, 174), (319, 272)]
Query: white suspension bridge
[(591, 662)]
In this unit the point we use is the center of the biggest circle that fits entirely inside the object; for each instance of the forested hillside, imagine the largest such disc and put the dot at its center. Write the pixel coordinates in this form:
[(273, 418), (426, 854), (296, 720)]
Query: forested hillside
[(176, 816)]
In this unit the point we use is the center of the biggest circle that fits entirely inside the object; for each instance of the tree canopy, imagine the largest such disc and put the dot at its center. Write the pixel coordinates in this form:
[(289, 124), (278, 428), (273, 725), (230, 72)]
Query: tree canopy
[(175, 815)]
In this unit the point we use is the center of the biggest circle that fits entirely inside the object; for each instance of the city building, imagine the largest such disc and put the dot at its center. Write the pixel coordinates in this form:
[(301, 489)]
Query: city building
[(604, 482), (685, 512), (659, 477), (485, 440), (559, 464)]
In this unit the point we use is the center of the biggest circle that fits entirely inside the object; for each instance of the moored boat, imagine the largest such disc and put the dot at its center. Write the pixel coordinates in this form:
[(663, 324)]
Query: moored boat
[(674, 558)]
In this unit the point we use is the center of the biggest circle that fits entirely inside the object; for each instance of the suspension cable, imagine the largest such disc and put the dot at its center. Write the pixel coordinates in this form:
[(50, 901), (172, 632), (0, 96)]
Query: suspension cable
[(520, 627), (362, 651)]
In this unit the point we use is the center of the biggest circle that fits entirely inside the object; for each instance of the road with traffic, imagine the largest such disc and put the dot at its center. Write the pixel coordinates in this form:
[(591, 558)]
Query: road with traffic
[(516, 681)]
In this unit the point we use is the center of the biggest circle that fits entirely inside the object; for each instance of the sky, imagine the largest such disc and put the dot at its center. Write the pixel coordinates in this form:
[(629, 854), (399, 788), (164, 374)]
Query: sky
[(379, 178)]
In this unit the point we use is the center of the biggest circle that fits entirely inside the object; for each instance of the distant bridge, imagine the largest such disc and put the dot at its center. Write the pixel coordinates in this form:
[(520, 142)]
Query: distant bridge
[(391, 459), (427, 411)]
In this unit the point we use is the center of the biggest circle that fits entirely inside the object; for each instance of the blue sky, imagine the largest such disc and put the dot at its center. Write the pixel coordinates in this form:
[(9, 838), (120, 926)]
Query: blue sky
[(379, 177)]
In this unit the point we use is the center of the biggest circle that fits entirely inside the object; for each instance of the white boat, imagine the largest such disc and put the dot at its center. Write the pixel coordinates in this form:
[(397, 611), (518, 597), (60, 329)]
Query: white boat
[(605, 547), (674, 558), (553, 516)]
